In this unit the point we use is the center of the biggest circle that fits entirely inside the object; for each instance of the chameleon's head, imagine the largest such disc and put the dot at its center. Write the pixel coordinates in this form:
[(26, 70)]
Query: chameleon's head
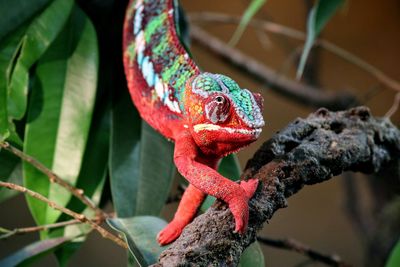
[(222, 116)]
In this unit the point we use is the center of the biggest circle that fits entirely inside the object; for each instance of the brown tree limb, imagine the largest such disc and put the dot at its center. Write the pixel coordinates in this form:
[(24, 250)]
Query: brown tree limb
[(306, 152), (280, 29), (294, 245), (296, 91), (81, 217)]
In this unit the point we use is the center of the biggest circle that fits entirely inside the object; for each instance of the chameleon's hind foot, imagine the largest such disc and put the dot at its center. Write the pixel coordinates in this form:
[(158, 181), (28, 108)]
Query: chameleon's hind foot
[(171, 232)]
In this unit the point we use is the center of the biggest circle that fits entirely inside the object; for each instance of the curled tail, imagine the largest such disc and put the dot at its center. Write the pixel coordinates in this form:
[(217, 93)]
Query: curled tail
[(156, 64)]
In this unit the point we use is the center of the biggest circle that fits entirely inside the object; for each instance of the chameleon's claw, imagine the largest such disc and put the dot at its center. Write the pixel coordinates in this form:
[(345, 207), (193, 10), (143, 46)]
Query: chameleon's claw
[(239, 205), (171, 232)]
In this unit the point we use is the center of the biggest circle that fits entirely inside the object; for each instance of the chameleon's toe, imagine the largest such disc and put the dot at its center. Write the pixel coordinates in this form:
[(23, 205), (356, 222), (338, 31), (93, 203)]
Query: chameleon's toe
[(171, 232), (249, 186), (240, 212)]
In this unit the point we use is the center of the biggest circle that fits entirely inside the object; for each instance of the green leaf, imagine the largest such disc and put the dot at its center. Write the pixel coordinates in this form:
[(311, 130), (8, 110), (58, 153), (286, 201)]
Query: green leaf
[(15, 177), (32, 252), (91, 178), (140, 233), (60, 112), (229, 168), (7, 50), (141, 171), (38, 37), (252, 256), (124, 154), (320, 14), (157, 171), (17, 12), (95, 159), (10, 170), (394, 258), (8, 163), (249, 13)]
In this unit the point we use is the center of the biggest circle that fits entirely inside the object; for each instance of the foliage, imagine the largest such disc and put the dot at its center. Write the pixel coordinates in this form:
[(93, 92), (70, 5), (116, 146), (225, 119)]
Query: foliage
[(318, 17), (394, 258), (249, 13)]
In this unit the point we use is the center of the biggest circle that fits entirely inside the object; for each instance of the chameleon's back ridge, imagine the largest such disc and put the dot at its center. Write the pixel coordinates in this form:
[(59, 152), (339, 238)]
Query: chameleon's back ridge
[(157, 66)]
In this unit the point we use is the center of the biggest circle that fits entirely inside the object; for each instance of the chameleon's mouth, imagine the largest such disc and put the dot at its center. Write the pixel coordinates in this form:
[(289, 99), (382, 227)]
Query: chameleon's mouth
[(212, 127)]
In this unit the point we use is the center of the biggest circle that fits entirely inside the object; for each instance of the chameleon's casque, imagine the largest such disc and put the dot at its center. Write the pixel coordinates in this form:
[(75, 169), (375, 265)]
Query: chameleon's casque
[(207, 115)]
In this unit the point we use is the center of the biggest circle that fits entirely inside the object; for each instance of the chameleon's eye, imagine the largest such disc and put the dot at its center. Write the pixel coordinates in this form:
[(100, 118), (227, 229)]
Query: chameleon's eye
[(220, 99), (217, 109)]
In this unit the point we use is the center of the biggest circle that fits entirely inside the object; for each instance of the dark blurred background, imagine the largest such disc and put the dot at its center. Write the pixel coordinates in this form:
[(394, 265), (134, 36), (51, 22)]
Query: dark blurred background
[(316, 215)]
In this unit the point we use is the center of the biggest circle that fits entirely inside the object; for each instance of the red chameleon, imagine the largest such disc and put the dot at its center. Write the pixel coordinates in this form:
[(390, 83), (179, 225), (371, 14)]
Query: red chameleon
[(208, 116)]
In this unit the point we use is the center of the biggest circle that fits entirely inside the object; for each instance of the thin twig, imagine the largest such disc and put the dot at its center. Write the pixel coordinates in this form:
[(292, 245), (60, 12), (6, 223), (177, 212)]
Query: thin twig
[(301, 36), (54, 178), (77, 216), (299, 92), (17, 231), (294, 245), (394, 107)]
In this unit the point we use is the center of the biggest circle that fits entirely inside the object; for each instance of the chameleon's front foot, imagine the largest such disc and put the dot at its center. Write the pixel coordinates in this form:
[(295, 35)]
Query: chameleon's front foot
[(171, 232), (238, 204)]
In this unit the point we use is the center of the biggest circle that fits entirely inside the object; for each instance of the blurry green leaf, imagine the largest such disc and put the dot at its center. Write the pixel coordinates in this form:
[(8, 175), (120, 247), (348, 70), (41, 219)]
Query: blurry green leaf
[(16, 12), (38, 37), (32, 252), (252, 256), (157, 171), (60, 112), (394, 258), (251, 10), (318, 17), (124, 154), (229, 168), (140, 233)]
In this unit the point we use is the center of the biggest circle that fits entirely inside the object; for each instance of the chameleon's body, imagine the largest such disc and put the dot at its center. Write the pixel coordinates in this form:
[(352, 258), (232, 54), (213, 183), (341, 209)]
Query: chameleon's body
[(207, 115)]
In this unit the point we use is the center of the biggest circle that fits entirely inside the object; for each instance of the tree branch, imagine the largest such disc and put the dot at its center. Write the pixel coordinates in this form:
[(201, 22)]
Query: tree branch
[(54, 178), (82, 218), (291, 244), (299, 92), (17, 231), (306, 152), (301, 36)]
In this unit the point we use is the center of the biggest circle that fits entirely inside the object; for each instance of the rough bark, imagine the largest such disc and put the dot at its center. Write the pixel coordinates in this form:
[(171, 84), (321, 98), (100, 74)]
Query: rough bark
[(306, 152)]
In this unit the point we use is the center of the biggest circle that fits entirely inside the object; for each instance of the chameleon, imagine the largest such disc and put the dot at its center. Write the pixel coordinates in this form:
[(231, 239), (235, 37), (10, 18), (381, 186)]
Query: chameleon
[(206, 115)]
